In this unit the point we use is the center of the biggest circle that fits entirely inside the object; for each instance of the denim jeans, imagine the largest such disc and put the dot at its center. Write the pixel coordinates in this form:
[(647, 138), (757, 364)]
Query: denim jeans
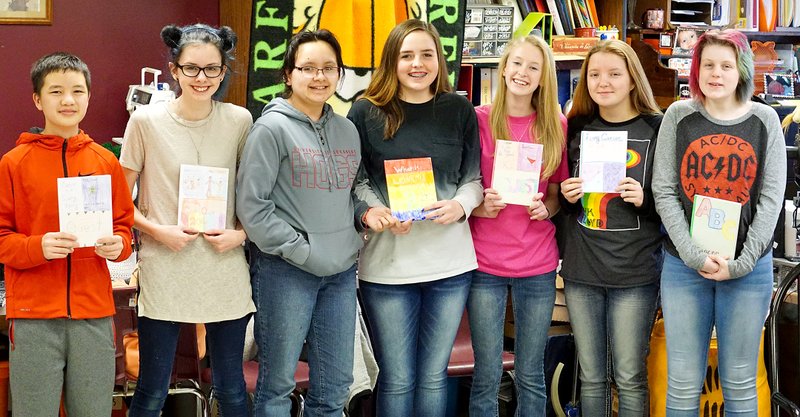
[(158, 340), (612, 335), (737, 308), (295, 306), (413, 327), (532, 301)]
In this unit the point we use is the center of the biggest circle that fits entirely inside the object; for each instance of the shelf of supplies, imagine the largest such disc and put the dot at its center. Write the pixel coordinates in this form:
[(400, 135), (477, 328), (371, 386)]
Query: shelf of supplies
[(779, 35)]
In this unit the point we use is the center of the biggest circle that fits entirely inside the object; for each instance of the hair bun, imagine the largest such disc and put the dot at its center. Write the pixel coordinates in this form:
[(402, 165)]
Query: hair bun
[(228, 37), (171, 35)]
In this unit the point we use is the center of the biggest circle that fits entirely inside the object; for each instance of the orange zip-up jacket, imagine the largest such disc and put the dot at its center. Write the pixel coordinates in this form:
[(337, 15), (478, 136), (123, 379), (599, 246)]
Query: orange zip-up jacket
[(78, 286)]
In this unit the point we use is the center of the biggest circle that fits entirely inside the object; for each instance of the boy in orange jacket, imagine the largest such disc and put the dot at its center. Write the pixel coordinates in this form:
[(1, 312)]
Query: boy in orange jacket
[(59, 298)]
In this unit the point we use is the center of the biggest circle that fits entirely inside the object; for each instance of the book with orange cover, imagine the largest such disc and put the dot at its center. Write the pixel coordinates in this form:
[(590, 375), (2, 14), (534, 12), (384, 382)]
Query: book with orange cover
[(410, 185)]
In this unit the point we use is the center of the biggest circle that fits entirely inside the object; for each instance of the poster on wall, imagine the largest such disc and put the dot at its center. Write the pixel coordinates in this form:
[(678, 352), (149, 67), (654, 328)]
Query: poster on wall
[(361, 29), (26, 12)]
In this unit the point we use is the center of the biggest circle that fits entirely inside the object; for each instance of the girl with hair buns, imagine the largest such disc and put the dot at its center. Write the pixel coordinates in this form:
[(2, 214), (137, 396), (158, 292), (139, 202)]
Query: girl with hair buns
[(515, 244), (722, 145), (612, 256), (187, 276)]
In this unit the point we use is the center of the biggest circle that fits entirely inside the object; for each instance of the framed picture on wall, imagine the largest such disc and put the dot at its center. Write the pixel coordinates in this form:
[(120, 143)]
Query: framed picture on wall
[(779, 85), (26, 12), (685, 38)]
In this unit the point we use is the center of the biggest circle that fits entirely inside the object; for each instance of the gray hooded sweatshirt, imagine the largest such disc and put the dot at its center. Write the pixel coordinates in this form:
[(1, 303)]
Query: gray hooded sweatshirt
[(294, 188)]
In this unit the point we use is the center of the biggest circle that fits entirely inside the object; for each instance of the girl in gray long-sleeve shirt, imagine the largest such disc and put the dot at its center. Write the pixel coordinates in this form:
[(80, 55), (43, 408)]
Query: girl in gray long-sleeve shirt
[(722, 145)]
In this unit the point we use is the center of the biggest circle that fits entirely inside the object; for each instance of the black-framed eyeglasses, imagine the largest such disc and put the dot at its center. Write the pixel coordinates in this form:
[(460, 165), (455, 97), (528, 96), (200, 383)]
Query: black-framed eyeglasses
[(211, 71), (312, 72)]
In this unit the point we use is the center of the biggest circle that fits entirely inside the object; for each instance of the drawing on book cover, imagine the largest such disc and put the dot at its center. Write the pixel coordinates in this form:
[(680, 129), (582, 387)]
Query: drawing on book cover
[(715, 225), (203, 197), (517, 167), (607, 211), (84, 208), (410, 185), (602, 160)]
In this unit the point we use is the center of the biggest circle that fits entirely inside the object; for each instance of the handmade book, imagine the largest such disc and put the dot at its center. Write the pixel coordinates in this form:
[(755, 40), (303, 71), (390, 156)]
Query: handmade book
[(517, 166), (603, 160), (84, 208), (203, 197), (715, 225), (410, 186)]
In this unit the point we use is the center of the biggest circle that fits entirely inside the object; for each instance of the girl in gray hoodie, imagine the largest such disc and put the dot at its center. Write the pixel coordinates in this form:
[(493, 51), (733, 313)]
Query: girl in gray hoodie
[(295, 200)]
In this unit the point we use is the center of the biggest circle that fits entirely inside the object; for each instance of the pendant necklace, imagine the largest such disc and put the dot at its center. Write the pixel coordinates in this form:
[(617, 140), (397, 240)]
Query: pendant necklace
[(524, 131), (197, 147)]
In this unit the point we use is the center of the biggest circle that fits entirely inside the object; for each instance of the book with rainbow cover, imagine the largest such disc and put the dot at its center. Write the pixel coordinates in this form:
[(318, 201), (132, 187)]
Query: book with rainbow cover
[(715, 225), (410, 185), (517, 166), (203, 197)]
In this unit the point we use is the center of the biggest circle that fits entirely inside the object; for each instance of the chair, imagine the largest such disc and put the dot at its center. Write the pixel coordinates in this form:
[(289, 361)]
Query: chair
[(781, 399), (186, 368), (250, 370), (462, 357)]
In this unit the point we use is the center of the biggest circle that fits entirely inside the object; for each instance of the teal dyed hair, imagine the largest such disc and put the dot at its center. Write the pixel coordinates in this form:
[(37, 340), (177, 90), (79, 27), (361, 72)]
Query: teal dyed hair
[(744, 61)]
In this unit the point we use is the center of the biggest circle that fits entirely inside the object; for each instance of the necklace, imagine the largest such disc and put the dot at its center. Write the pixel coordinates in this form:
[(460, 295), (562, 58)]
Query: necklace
[(518, 138), (197, 147)]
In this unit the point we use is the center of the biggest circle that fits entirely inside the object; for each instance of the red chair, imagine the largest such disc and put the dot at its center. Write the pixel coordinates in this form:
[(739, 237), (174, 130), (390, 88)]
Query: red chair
[(462, 357), (250, 370)]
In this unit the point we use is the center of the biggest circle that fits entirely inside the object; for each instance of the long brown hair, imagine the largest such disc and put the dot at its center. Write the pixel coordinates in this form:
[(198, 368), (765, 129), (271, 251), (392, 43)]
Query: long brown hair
[(383, 90), (548, 129), (641, 96)]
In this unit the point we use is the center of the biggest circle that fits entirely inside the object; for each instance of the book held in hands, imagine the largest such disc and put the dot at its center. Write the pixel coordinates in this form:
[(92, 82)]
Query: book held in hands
[(517, 167), (203, 197), (603, 160), (715, 225), (84, 208), (410, 186)]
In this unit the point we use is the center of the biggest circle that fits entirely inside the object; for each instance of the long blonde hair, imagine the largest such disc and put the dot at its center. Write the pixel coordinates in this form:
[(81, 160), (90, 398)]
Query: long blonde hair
[(547, 129), (641, 96), (383, 90)]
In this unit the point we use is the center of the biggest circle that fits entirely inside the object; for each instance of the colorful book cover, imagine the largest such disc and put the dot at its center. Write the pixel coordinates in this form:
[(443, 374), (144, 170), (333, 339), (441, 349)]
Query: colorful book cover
[(410, 186), (517, 166), (203, 197), (715, 225), (603, 158), (84, 208)]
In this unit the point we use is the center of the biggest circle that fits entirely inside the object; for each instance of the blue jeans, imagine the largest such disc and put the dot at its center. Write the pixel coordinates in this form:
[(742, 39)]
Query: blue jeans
[(737, 308), (413, 327), (612, 334), (295, 306), (158, 340), (532, 299)]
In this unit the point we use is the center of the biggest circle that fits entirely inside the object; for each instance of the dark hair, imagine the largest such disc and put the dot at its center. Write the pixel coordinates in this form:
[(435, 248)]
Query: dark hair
[(177, 38), (57, 61), (290, 57)]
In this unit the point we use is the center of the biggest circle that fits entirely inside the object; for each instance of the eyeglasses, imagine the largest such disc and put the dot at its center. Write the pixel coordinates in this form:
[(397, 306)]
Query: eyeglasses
[(211, 71), (311, 72)]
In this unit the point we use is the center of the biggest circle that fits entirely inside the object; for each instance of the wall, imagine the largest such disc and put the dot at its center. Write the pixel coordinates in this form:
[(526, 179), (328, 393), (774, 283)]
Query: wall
[(116, 38)]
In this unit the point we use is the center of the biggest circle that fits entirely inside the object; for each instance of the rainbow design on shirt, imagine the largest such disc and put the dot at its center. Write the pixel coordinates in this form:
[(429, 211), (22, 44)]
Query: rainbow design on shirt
[(633, 159), (594, 209)]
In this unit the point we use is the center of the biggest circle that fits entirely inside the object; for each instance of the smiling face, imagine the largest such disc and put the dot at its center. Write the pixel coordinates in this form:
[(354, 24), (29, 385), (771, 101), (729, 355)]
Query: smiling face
[(199, 88), (609, 83), (309, 94), (523, 70), (63, 98), (417, 67), (718, 75)]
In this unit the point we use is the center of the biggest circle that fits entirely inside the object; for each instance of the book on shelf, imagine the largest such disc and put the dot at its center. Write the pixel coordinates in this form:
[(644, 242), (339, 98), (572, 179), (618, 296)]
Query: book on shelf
[(603, 158), (409, 183), (715, 225), (516, 171), (557, 19), (203, 197), (84, 208)]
